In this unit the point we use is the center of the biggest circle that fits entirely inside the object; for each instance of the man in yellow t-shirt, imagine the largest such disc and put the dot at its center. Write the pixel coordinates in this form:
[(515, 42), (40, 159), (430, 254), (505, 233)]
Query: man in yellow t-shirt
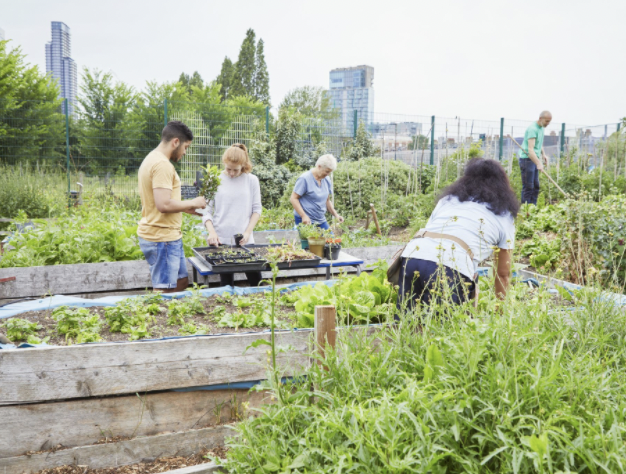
[(159, 231)]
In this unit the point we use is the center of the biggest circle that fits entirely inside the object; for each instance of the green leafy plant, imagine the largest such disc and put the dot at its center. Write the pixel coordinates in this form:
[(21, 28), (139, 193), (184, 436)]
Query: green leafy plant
[(211, 179), (20, 329), (310, 231), (131, 316), (77, 324)]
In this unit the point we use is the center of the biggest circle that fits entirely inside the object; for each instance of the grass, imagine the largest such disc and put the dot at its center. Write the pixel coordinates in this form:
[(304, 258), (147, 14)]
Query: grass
[(531, 387)]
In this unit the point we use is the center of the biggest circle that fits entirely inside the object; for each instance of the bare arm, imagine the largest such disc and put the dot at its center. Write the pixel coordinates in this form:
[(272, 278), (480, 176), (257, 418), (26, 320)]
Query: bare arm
[(166, 205), (295, 202), (331, 209), (212, 239), (254, 218), (532, 155), (546, 159), (503, 271)]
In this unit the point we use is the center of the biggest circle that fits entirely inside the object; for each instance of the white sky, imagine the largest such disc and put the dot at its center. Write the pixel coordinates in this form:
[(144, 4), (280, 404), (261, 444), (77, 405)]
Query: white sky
[(481, 59)]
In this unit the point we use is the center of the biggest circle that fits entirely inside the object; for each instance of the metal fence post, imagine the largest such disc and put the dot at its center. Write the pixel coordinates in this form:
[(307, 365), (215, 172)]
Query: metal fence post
[(432, 140), (501, 152), (67, 149), (267, 121), (356, 118), (165, 113), (562, 138), (619, 125)]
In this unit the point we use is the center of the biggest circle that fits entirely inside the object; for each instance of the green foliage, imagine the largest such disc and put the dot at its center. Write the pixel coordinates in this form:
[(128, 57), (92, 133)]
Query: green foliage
[(521, 392), (273, 178), (309, 231), (245, 68), (195, 80), (544, 254), (20, 329), (87, 235), (132, 316), (361, 146), (24, 189), (190, 329), (261, 76), (32, 125), (77, 324), (210, 181), (287, 133), (532, 219), (226, 78), (363, 299), (309, 101), (419, 142)]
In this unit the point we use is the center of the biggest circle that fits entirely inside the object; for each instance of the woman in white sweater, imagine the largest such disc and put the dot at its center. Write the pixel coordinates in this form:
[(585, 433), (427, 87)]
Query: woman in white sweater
[(236, 208)]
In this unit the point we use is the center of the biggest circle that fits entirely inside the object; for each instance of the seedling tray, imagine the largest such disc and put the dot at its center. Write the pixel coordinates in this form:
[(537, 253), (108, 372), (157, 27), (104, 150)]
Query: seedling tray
[(219, 262), (308, 263)]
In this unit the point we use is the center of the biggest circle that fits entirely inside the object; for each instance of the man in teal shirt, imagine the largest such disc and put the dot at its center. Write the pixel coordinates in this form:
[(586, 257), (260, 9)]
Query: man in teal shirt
[(530, 163)]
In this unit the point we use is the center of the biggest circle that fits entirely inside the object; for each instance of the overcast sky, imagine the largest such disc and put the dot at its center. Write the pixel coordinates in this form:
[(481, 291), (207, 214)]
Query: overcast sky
[(481, 59)]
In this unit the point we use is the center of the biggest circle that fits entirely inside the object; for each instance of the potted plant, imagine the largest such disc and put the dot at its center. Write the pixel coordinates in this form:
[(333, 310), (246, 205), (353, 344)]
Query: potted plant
[(314, 237), (332, 248)]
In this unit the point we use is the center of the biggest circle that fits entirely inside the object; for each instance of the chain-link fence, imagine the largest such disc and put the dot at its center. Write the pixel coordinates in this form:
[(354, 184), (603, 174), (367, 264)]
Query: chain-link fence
[(103, 148)]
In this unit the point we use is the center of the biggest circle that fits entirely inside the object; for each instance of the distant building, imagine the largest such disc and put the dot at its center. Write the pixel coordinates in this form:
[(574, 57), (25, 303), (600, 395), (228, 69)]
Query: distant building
[(351, 89), (2, 37), (60, 64)]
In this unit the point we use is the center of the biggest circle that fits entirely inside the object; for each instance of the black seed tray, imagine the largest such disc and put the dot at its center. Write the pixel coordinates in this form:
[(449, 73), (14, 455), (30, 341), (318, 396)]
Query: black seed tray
[(219, 263), (309, 263)]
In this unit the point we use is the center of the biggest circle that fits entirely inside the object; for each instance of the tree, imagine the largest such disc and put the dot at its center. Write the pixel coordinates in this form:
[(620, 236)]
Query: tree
[(287, 133), (261, 77), (245, 69), (361, 145), (32, 124), (418, 141), (194, 80), (226, 78), (310, 101), (107, 139)]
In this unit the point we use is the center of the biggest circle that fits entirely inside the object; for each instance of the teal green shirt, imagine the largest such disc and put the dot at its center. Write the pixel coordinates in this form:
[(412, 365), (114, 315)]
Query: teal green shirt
[(535, 131)]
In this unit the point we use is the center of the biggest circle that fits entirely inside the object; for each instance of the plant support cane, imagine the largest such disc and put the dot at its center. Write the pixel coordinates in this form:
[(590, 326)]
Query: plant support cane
[(543, 171)]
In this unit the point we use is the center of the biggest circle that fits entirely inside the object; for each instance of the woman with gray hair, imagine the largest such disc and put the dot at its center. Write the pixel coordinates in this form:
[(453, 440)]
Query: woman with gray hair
[(311, 194)]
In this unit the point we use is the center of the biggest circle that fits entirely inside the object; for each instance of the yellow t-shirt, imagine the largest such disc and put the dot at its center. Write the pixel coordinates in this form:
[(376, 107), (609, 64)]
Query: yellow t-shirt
[(156, 171)]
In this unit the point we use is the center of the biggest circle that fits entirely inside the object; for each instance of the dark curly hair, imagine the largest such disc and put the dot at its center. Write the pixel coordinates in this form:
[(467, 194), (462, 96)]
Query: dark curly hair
[(485, 181)]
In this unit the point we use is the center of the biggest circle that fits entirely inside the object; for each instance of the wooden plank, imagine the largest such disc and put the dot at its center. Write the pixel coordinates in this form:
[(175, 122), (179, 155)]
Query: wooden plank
[(83, 277), (39, 427), (54, 373), (121, 453), (325, 328), (111, 276)]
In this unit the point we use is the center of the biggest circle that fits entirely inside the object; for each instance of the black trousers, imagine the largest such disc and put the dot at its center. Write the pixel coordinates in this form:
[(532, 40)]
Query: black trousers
[(419, 278), (254, 278), (530, 181)]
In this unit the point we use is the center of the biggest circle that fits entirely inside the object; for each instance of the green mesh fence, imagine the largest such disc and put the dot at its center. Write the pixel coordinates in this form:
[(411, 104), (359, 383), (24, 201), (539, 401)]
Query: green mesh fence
[(102, 148)]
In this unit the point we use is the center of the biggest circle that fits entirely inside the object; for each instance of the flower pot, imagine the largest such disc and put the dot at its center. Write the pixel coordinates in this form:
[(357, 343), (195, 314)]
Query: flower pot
[(331, 251), (316, 246), (304, 243)]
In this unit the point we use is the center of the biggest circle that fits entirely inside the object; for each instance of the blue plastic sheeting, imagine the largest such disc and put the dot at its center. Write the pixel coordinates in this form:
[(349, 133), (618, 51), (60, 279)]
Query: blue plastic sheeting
[(227, 386), (60, 300)]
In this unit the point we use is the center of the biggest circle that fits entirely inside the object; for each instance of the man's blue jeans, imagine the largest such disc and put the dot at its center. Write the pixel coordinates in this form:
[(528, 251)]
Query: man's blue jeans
[(530, 181)]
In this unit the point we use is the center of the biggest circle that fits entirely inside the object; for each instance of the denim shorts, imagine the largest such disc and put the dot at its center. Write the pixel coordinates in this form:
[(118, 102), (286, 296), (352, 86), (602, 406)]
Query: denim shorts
[(167, 262)]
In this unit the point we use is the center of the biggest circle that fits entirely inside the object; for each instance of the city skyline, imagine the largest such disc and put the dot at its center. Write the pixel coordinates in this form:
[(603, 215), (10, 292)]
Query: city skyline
[(60, 64), (351, 90), (468, 62)]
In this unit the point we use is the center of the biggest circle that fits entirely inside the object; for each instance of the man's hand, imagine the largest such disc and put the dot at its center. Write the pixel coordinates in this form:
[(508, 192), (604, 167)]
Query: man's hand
[(306, 220), (539, 166), (198, 203), (246, 238), (213, 239), (339, 218)]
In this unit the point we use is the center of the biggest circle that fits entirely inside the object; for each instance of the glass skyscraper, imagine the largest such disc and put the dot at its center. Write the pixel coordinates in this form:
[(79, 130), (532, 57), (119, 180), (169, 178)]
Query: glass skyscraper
[(60, 64), (351, 89)]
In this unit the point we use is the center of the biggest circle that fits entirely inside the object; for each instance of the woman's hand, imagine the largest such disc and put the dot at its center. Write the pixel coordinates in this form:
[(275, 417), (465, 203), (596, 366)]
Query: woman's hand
[(213, 239), (246, 238), (306, 220), (339, 218)]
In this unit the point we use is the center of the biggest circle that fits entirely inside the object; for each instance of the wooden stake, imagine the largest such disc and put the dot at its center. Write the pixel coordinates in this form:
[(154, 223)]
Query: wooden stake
[(325, 324), (375, 217)]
